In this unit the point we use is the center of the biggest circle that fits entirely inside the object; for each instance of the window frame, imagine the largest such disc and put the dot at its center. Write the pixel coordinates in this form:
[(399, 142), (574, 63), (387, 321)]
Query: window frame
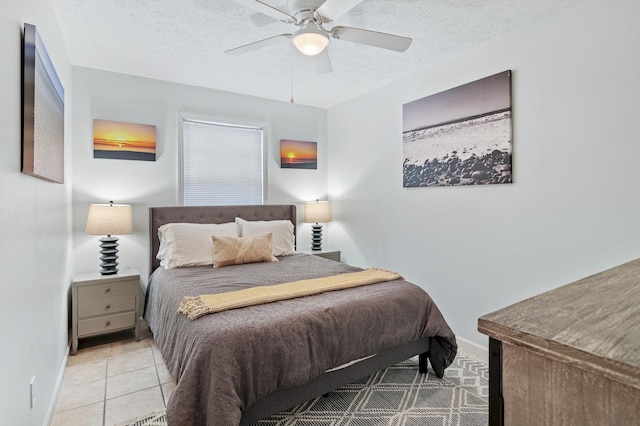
[(186, 117)]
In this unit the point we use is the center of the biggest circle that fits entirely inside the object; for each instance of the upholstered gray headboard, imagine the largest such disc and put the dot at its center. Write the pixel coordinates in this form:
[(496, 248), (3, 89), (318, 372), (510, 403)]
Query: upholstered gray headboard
[(159, 216)]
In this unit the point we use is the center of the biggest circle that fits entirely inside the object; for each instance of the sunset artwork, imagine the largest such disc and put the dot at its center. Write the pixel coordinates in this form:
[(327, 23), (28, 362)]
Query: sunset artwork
[(298, 154), (124, 141)]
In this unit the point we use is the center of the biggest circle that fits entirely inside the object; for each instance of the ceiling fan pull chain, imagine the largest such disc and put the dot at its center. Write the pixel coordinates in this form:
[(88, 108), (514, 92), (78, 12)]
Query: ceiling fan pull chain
[(291, 100)]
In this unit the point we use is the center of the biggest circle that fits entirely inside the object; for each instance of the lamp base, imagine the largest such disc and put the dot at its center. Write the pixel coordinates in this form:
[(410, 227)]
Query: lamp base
[(109, 255), (316, 237)]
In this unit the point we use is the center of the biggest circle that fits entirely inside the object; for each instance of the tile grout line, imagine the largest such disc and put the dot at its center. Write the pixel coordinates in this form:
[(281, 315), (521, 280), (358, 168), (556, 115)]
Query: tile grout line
[(155, 364), (107, 357), (104, 400)]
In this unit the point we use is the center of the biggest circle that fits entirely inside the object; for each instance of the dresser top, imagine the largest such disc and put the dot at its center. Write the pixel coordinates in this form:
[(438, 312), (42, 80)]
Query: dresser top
[(593, 323)]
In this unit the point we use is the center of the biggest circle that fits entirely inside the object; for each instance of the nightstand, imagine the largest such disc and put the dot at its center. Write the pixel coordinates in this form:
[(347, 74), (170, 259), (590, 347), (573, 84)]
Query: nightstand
[(103, 304), (331, 255)]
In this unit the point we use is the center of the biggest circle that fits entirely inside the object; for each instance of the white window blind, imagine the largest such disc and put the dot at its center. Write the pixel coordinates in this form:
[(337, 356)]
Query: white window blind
[(222, 164)]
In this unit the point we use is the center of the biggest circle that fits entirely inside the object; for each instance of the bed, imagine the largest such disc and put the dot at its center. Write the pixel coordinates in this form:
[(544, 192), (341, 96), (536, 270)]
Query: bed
[(238, 366)]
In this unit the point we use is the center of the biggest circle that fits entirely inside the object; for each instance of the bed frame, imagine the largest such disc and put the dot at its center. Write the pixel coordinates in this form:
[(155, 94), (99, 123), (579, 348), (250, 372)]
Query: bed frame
[(285, 398)]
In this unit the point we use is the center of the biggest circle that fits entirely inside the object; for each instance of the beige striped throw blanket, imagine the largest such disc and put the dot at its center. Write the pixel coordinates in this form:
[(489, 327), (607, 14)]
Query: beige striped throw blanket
[(195, 307)]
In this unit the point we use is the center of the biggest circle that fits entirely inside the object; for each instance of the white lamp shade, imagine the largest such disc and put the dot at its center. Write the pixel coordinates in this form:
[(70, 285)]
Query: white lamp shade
[(310, 40), (109, 219), (317, 212)]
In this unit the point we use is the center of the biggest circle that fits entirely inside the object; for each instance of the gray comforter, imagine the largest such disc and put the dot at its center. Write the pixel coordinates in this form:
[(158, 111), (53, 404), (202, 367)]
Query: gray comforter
[(226, 361)]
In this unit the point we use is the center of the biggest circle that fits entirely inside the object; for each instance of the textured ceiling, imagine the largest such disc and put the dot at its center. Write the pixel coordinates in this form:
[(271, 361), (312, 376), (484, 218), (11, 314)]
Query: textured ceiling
[(184, 41)]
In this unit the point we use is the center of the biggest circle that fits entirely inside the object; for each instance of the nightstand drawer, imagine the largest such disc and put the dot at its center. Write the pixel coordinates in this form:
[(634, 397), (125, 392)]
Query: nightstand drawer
[(106, 324), (106, 290), (91, 308)]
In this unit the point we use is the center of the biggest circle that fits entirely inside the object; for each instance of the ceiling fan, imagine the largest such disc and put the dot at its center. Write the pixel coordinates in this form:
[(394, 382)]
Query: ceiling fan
[(312, 38)]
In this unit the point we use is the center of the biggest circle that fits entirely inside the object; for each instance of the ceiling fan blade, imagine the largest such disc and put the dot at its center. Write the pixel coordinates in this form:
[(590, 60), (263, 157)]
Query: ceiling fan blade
[(241, 50), (260, 19), (332, 9), (321, 62), (266, 9), (372, 38)]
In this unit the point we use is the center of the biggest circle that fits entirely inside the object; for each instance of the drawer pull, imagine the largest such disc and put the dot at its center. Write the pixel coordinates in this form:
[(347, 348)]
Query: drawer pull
[(108, 306), (107, 290), (108, 323)]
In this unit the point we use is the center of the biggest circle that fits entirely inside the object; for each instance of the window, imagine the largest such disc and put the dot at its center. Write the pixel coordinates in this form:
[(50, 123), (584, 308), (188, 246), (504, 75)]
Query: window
[(222, 164)]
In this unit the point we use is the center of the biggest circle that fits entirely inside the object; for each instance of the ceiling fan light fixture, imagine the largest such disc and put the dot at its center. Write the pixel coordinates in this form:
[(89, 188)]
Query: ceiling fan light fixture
[(310, 39)]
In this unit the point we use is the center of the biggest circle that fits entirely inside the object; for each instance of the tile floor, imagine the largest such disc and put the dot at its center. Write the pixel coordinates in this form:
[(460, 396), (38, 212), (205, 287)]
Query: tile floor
[(107, 383)]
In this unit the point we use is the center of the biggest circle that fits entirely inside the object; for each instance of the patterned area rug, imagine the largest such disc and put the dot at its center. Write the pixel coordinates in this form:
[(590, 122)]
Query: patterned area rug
[(397, 396), (153, 419)]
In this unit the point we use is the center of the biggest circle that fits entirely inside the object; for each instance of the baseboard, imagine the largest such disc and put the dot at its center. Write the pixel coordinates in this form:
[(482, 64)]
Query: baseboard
[(481, 353), (56, 389)]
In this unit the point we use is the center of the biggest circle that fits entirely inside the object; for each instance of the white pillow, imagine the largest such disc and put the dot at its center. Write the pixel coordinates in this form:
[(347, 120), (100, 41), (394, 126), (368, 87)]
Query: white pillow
[(190, 244), (282, 230)]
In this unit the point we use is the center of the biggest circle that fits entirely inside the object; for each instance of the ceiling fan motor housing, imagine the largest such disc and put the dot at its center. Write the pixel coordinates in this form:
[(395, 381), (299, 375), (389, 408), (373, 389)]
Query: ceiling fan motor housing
[(303, 10)]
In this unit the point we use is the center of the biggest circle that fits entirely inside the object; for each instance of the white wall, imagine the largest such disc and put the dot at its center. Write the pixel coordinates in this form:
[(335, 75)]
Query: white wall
[(111, 96), (573, 208), (35, 249)]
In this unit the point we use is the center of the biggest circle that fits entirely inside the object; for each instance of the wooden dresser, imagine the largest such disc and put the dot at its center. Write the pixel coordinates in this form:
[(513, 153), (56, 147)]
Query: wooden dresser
[(570, 356), (103, 304)]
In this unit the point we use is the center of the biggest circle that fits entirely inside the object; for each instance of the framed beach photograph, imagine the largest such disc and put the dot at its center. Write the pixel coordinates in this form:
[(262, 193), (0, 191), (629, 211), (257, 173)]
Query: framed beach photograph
[(120, 140), (298, 154), (462, 136), (42, 112)]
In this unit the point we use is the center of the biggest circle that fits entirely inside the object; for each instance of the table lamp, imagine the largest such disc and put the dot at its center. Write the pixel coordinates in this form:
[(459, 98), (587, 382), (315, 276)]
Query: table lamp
[(109, 219), (317, 212)]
